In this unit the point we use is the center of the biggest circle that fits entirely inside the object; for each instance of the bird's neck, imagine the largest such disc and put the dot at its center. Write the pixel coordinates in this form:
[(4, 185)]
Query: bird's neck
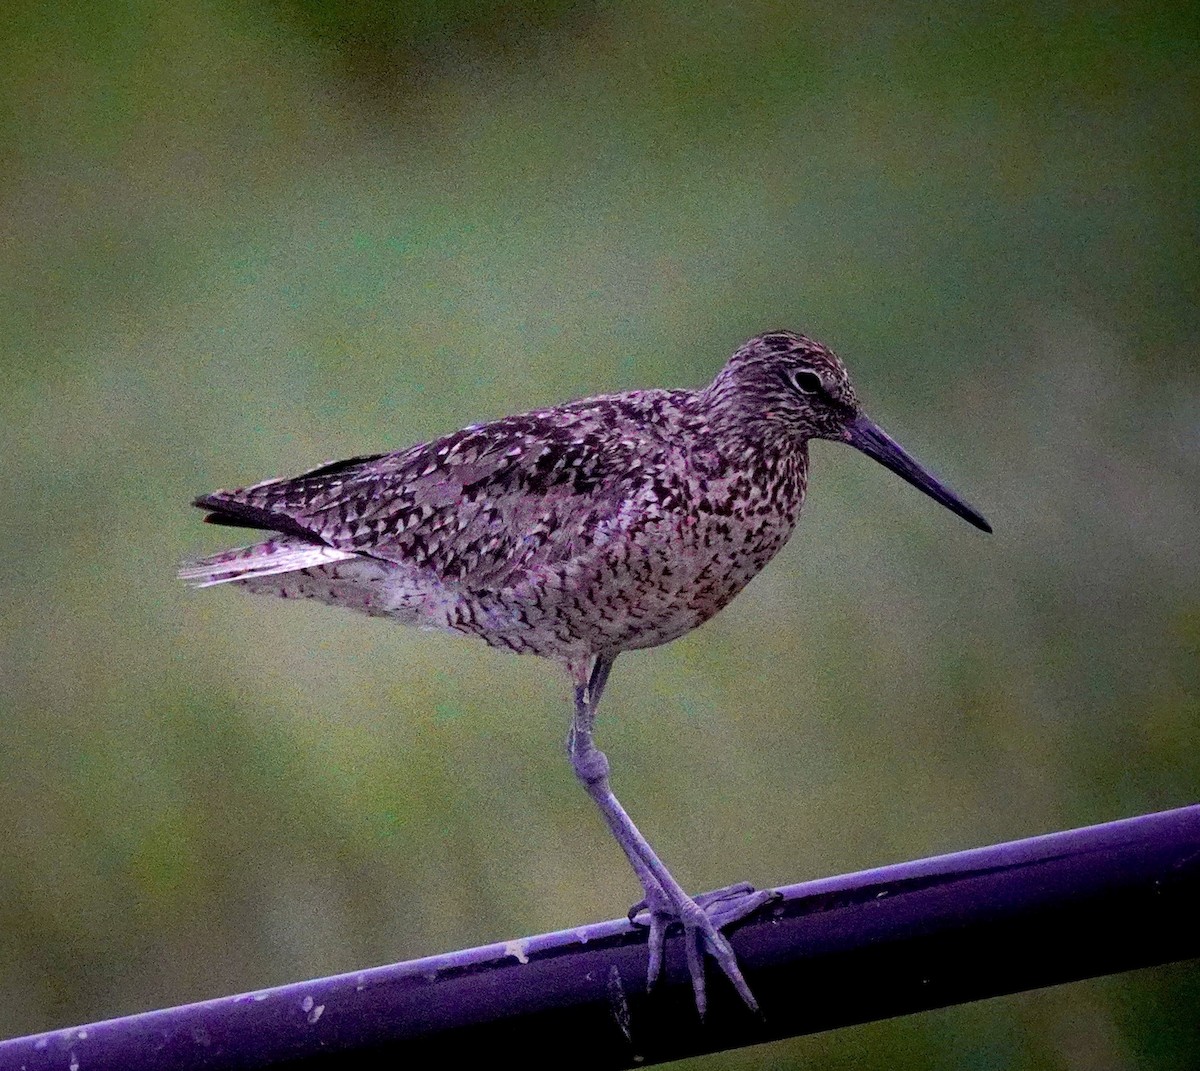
[(746, 423), (767, 455)]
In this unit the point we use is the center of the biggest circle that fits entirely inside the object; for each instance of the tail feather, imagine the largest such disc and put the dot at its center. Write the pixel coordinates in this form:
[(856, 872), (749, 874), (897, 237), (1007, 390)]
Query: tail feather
[(280, 555)]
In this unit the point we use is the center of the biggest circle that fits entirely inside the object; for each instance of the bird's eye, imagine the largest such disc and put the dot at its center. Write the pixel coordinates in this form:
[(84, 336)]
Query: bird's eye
[(807, 381)]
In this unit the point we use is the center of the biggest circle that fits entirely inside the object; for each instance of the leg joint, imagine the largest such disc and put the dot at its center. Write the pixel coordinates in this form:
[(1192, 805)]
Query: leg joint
[(589, 762)]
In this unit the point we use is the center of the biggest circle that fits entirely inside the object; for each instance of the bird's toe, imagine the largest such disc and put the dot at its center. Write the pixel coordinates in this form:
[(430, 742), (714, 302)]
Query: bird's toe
[(702, 918)]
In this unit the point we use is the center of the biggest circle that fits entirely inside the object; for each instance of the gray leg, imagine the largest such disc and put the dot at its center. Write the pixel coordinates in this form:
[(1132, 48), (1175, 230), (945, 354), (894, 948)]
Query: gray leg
[(665, 899), (584, 756)]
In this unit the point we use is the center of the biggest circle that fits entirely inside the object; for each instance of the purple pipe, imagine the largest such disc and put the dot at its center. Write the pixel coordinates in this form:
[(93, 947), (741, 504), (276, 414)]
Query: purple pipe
[(829, 953)]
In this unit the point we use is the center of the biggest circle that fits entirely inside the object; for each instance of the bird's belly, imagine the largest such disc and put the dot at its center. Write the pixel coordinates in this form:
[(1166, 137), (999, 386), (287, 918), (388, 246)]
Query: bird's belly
[(688, 596), (653, 591), (633, 594)]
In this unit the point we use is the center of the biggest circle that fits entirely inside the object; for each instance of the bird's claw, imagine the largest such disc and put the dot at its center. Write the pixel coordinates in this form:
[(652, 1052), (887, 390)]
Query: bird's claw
[(702, 918)]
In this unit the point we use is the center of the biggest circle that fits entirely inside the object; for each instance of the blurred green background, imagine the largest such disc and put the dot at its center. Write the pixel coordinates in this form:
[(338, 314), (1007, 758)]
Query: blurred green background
[(237, 239)]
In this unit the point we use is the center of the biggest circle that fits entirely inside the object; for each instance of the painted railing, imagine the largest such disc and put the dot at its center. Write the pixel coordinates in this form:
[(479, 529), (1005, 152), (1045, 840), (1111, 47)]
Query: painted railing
[(828, 953)]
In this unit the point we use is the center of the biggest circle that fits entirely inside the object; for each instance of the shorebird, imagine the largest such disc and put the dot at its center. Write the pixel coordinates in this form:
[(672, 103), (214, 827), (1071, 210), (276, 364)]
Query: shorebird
[(599, 526)]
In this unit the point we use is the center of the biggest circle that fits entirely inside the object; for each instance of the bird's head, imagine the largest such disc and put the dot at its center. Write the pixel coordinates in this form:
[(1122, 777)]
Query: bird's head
[(796, 383)]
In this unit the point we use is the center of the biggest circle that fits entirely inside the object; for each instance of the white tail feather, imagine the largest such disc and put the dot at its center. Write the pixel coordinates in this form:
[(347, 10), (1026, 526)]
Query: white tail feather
[(262, 559)]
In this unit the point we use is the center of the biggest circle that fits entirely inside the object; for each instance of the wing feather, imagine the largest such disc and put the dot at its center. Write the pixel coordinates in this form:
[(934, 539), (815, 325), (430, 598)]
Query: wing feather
[(474, 507)]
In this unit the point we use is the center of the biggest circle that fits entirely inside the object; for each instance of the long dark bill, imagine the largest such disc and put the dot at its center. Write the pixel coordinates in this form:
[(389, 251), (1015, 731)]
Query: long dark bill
[(872, 440)]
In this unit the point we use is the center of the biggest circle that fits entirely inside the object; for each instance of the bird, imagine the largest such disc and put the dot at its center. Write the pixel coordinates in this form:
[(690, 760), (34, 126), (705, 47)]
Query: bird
[(577, 532)]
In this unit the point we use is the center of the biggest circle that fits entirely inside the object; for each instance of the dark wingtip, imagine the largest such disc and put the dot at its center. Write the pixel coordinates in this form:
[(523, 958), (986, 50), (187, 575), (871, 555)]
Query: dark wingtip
[(232, 513), (222, 512), (226, 521)]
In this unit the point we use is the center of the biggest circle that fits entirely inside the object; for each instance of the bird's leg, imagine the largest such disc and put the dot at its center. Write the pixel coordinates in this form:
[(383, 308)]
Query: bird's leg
[(724, 906), (654, 891), (665, 900)]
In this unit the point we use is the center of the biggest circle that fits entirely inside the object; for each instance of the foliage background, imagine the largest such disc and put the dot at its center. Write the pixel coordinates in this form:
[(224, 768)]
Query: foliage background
[(237, 239)]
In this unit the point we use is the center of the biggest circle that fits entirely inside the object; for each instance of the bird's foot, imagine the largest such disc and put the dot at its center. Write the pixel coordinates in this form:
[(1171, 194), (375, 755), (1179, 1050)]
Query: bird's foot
[(702, 918)]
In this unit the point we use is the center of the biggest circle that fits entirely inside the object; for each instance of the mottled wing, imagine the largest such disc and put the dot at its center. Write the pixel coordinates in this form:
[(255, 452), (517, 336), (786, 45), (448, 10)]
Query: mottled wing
[(477, 507)]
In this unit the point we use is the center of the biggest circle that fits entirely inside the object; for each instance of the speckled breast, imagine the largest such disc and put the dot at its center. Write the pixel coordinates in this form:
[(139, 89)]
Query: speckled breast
[(687, 557)]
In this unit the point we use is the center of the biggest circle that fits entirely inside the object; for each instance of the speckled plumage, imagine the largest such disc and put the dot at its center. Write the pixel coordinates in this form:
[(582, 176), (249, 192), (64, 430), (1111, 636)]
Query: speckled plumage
[(576, 533), (601, 525)]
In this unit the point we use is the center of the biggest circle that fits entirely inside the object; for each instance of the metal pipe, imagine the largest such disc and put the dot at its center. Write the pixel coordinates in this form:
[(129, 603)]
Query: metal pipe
[(827, 953)]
